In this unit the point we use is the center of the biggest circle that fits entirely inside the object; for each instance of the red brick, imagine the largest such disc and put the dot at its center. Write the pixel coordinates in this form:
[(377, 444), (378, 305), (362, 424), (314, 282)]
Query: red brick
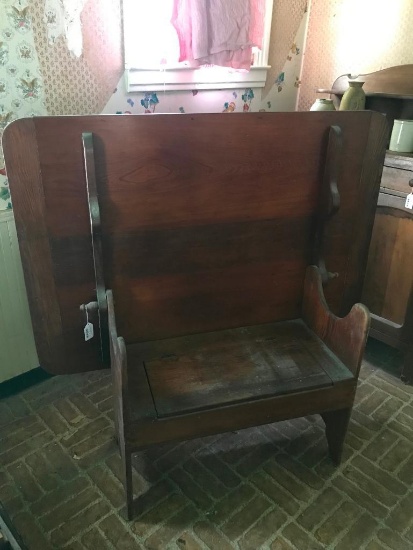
[(118, 533), (320, 508), (406, 471), (245, 517), (53, 420), (393, 540), (104, 393), (74, 526), (25, 481), (358, 533), (226, 507), (187, 485), (106, 405), (162, 511), (21, 435), (94, 442), (298, 489), (387, 409), (341, 519), (50, 501), (380, 445), (213, 538), (42, 471), (277, 494), (401, 517), (376, 473), (60, 462), (86, 431), (63, 512), (255, 458), (107, 448), (397, 455), (22, 424), (94, 540), (187, 541), (221, 470), (375, 545), (30, 533), (370, 486), (25, 448), (205, 479), (264, 529), (172, 529), (84, 405), (300, 471), (369, 501), (281, 544), (108, 484), (68, 411), (300, 538)]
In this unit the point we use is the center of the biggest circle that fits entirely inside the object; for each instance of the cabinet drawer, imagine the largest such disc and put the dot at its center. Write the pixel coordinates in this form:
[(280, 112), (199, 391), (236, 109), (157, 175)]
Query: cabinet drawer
[(396, 179)]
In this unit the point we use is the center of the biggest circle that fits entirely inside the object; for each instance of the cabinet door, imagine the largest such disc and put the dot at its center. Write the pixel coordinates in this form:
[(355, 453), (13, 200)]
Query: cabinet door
[(388, 281)]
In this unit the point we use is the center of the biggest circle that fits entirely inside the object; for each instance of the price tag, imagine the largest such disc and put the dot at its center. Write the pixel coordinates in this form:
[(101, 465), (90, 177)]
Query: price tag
[(88, 330), (409, 201)]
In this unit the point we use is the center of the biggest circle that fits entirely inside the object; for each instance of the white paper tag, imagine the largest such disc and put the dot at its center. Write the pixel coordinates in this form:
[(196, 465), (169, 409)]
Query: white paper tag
[(409, 201), (88, 330)]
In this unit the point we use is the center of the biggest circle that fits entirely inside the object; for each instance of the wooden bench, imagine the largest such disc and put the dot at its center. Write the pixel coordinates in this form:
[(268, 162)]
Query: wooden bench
[(203, 265)]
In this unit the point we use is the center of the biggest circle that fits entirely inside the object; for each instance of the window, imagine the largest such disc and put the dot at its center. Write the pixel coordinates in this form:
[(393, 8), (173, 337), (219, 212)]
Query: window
[(152, 53)]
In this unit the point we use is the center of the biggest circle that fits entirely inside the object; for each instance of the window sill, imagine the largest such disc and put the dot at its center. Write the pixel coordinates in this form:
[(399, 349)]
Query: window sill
[(185, 78)]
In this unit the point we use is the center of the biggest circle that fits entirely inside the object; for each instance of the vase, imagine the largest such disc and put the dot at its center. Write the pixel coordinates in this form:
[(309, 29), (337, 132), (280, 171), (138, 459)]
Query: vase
[(354, 98), (323, 105)]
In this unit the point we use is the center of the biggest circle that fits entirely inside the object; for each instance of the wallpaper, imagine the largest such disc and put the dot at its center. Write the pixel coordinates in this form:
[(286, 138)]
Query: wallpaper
[(350, 36), (282, 95), (94, 82), (21, 83)]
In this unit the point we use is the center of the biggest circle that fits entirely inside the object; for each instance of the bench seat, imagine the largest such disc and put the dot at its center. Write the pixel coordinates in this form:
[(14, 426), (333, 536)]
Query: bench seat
[(204, 371)]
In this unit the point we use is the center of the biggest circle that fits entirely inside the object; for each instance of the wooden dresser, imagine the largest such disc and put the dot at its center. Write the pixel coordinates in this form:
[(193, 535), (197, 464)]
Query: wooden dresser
[(388, 286)]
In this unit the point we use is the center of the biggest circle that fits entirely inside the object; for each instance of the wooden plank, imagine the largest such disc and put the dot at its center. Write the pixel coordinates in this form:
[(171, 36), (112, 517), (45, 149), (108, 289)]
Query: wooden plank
[(145, 432), (238, 365), (189, 171), (364, 212)]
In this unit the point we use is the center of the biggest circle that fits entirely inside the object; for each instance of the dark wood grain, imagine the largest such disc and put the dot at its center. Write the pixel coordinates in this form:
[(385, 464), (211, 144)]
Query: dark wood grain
[(207, 226), (238, 365), (194, 180), (346, 337)]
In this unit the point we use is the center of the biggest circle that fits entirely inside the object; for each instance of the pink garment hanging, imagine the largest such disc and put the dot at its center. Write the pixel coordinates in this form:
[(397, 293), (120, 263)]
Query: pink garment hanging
[(219, 32)]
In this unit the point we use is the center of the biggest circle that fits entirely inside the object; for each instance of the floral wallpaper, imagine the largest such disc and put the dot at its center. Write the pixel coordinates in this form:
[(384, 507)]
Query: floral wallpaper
[(21, 83)]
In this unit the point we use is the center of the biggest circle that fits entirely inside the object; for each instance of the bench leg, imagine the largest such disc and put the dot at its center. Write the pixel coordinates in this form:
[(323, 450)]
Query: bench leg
[(336, 428), (128, 483)]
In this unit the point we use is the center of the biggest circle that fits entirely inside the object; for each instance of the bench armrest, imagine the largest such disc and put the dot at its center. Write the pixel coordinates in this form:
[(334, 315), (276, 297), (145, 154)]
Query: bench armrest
[(346, 336)]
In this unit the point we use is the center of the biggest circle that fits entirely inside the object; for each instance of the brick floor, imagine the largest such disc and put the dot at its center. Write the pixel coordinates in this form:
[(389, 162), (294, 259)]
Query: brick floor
[(271, 487)]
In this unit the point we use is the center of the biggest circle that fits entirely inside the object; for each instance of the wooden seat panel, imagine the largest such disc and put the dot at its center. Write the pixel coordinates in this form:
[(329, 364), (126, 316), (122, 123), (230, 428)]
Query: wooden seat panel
[(230, 366)]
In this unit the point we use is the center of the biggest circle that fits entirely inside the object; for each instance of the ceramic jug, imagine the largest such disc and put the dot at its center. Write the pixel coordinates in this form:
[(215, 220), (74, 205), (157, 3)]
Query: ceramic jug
[(323, 105), (354, 98)]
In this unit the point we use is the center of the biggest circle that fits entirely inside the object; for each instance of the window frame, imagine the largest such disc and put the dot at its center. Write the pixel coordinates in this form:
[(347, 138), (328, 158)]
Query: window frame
[(211, 78)]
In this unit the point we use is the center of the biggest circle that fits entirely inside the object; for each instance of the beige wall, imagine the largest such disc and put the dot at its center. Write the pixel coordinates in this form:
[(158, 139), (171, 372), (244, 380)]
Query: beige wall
[(354, 36)]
